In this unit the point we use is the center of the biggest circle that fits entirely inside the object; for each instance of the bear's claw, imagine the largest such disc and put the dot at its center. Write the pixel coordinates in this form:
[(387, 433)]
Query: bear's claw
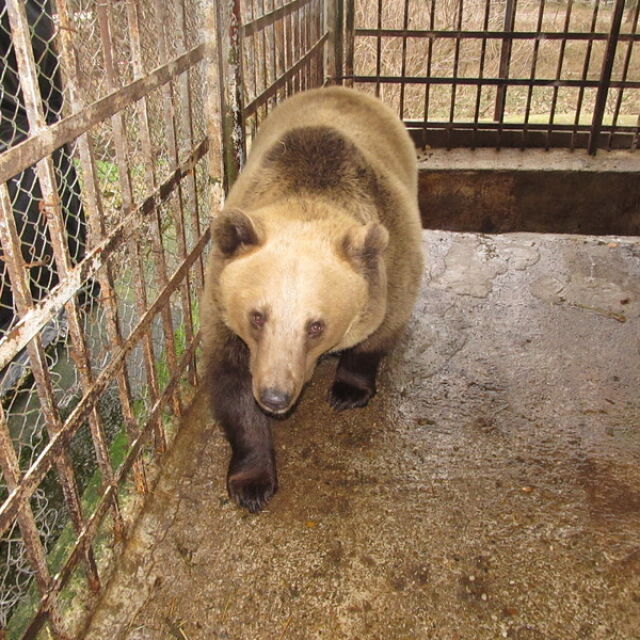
[(250, 490), (343, 395)]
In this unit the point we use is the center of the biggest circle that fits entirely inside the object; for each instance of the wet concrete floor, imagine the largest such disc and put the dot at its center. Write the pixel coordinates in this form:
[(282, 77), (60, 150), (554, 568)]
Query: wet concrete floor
[(490, 490)]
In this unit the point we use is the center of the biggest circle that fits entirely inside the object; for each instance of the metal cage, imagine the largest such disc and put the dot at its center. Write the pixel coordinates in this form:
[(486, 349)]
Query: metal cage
[(110, 111)]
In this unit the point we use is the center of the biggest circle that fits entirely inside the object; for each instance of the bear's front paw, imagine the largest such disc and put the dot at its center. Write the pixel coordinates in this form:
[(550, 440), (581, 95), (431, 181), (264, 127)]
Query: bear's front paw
[(347, 396), (252, 488)]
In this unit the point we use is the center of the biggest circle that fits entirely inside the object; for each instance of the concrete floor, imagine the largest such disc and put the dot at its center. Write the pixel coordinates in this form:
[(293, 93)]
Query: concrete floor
[(490, 490)]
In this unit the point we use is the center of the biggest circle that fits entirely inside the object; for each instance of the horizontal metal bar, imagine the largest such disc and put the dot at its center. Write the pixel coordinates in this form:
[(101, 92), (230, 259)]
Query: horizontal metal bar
[(515, 126), (475, 82), (315, 50), (36, 318), (34, 475), (470, 137), (273, 16), (492, 35), (45, 142)]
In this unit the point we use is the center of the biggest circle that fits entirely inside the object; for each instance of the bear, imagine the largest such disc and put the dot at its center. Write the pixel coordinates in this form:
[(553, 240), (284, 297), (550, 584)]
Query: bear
[(317, 250)]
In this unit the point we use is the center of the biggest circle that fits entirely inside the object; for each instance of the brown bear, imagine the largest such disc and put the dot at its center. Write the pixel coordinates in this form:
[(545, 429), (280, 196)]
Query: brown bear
[(318, 249)]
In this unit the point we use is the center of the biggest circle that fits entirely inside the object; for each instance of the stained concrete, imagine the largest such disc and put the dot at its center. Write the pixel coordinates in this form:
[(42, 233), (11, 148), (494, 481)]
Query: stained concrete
[(490, 490)]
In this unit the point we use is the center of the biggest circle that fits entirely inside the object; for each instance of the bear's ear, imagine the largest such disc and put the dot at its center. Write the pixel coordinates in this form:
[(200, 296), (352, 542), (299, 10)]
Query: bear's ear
[(233, 229), (364, 244)]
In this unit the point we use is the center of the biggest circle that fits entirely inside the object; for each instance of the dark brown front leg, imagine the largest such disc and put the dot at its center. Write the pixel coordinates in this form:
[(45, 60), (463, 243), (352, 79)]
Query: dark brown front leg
[(251, 479), (355, 381)]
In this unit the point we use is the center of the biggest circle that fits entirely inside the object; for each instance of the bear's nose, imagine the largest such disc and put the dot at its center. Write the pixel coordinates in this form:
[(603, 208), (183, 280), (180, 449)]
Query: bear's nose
[(274, 399)]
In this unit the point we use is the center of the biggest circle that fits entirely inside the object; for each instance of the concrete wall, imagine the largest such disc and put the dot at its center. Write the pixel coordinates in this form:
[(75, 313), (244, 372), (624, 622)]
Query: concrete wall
[(539, 191)]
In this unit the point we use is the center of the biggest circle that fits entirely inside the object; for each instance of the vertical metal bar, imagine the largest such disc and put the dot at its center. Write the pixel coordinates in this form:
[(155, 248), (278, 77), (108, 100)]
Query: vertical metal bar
[(563, 44), (95, 219), (532, 75), (483, 53), (585, 73), (456, 62), (349, 34), (174, 162), (22, 295), (605, 76), (133, 21), (187, 116), (505, 58), (272, 51), (633, 20), (288, 29), (53, 211), (120, 143), (403, 67), (280, 53), (334, 26), (427, 86), (27, 524), (297, 48), (230, 78), (379, 48)]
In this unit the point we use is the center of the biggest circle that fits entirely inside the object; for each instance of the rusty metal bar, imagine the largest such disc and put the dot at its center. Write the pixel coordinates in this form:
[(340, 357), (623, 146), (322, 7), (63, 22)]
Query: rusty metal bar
[(456, 63), (279, 51), (95, 217), (632, 19), (32, 322), (403, 55), (334, 22), (486, 34), (510, 82), (55, 446), (187, 116), (349, 43), (534, 62), (55, 224), (230, 79), (179, 212), (91, 528), (427, 87), (288, 26), (44, 141), (605, 76), (315, 50), (585, 72), (563, 44), (271, 17), (379, 50), (483, 53), (28, 527), (118, 125), (505, 58)]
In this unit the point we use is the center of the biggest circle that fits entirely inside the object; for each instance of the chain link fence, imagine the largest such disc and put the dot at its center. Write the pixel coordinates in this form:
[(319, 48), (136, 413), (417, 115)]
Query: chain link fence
[(103, 227)]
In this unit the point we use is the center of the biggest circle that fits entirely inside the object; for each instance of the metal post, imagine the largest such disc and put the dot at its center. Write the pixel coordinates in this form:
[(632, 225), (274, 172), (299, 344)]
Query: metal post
[(505, 58), (334, 25), (605, 76), (230, 79)]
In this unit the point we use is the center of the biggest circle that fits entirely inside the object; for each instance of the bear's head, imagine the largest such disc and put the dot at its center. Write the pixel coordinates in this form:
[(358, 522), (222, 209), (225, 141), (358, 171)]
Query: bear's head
[(294, 288)]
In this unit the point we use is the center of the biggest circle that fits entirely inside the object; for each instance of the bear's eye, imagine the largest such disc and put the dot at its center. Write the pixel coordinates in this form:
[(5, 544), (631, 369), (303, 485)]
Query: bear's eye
[(257, 319), (315, 328)]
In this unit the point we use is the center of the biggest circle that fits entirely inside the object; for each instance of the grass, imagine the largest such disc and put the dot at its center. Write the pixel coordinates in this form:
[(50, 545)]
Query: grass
[(470, 58)]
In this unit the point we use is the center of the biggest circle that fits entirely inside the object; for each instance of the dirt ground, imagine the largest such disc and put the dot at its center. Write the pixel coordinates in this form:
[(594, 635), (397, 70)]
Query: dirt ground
[(490, 490)]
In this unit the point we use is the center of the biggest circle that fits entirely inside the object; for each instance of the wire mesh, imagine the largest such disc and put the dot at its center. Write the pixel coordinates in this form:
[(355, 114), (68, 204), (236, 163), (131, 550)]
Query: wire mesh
[(103, 227), (509, 73)]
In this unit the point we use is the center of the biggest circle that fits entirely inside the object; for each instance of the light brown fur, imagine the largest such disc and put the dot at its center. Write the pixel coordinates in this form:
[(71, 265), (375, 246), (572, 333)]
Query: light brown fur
[(322, 224)]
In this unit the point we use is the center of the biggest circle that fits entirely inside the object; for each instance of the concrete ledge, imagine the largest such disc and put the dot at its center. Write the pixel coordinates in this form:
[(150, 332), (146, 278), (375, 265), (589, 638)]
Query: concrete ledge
[(527, 160), (554, 191)]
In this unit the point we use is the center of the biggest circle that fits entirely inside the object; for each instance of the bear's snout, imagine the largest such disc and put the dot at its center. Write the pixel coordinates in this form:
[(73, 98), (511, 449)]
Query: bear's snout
[(275, 400)]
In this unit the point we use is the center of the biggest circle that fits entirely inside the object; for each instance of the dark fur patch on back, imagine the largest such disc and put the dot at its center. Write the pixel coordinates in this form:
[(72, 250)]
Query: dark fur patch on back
[(318, 159)]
